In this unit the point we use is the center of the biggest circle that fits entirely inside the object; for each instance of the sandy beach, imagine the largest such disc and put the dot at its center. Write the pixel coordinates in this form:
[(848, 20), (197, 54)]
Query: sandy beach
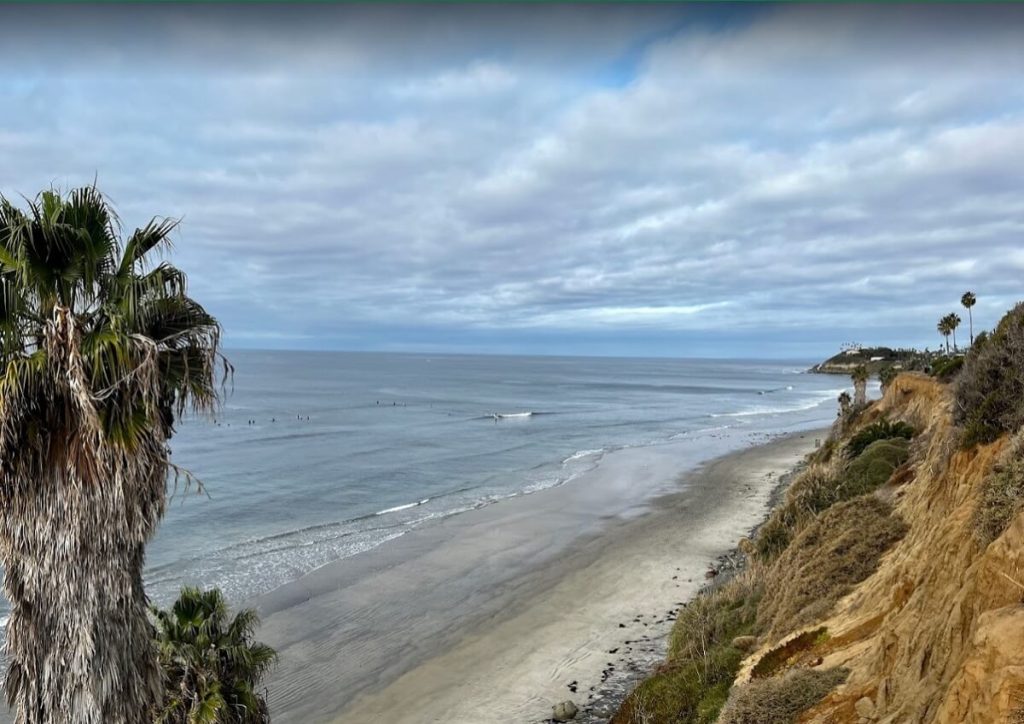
[(496, 614)]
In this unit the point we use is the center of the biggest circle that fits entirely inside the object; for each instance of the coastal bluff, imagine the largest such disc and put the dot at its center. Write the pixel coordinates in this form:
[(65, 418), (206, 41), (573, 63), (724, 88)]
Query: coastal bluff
[(842, 627), (937, 633)]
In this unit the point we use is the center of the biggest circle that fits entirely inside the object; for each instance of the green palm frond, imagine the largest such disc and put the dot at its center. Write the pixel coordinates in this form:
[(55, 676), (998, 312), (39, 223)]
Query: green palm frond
[(212, 664)]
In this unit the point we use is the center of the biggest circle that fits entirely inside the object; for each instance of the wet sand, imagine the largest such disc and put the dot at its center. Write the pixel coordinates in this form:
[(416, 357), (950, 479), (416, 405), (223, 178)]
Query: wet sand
[(496, 614)]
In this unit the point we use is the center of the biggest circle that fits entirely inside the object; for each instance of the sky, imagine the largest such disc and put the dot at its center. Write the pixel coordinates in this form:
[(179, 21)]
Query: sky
[(714, 181)]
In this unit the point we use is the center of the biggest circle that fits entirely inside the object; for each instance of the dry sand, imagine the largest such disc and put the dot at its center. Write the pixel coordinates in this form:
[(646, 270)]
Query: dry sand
[(491, 615)]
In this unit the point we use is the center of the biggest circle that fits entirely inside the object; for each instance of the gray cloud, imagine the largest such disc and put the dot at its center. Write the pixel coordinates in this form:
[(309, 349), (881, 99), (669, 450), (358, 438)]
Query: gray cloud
[(705, 178)]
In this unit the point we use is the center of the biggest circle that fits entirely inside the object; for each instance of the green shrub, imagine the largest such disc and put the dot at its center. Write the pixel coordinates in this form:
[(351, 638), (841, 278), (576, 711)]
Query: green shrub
[(989, 392), (1002, 495), (881, 430), (780, 700), (886, 375), (819, 487), (872, 467), (837, 550), (946, 368), (693, 684)]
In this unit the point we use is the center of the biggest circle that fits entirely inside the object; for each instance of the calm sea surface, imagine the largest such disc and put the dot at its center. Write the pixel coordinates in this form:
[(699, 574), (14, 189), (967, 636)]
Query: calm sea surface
[(347, 450)]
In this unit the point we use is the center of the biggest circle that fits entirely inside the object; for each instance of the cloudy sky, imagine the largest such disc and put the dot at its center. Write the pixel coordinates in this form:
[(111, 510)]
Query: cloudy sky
[(707, 181)]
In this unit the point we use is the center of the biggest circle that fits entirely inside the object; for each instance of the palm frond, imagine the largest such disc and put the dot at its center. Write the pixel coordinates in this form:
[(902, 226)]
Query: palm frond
[(101, 350)]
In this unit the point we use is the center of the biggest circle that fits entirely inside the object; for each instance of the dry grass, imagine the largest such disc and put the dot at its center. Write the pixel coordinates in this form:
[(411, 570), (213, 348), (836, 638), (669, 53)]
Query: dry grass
[(822, 485), (1002, 494), (782, 699), (808, 494), (839, 549)]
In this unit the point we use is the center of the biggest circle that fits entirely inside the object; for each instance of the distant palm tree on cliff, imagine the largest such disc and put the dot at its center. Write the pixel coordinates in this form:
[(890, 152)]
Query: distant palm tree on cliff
[(860, 385), (954, 322), (101, 349), (969, 300), (212, 665), (945, 330)]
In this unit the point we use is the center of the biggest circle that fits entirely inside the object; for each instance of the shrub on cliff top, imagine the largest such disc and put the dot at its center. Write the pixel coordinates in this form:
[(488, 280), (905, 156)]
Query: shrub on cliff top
[(946, 368), (989, 393), (837, 550), (881, 430), (873, 467), (780, 700), (886, 375)]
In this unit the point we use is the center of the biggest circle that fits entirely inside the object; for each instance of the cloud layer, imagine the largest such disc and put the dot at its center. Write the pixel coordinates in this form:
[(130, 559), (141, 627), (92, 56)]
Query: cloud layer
[(766, 181)]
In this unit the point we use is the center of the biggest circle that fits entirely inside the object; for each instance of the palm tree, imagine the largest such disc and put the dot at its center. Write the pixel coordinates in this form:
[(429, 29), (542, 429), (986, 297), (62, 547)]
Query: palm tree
[(844, 402), (945, 330), (954, 322), (968, 300), (212, 665), (101, 350), (860, 385)]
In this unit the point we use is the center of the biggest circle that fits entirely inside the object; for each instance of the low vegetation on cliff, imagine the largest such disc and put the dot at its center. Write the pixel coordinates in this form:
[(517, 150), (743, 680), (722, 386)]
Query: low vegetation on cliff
[(780, 700), (827, 535), (888, 467), (989, 391), (705, 652)]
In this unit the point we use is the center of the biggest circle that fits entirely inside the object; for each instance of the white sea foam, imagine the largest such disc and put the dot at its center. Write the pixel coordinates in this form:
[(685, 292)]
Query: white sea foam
[(579, 454), (398, 508), (777, 410)]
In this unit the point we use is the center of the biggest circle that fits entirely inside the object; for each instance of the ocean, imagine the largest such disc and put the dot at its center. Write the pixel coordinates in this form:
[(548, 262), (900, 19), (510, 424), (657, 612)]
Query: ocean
[(317, 456)]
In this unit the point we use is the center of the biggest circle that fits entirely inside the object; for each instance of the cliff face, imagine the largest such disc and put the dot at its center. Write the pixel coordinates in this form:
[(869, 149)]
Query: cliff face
[(937, 633)]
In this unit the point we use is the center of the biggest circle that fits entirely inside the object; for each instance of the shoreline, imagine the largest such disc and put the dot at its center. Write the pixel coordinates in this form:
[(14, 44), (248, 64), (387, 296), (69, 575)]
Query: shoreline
[(565, 584)]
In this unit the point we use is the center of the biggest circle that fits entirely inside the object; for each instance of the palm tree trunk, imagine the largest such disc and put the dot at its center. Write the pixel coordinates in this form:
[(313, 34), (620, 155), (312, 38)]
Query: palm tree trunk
[(80, 651), (970, 320), (860, 392), (954, 339), (75, 515)]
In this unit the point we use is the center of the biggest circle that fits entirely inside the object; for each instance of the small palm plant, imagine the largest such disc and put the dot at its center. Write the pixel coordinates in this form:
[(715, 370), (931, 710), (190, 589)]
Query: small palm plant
[(860, 385), (101, 349), (211, 664)]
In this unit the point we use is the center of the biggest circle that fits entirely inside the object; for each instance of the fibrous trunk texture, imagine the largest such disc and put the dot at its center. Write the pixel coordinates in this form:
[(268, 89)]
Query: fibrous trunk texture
[(75, 514), (860, 392)]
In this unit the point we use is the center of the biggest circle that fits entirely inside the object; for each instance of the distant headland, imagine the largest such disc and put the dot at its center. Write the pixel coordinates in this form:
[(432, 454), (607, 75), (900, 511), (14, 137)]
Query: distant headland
[(876, 359)]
